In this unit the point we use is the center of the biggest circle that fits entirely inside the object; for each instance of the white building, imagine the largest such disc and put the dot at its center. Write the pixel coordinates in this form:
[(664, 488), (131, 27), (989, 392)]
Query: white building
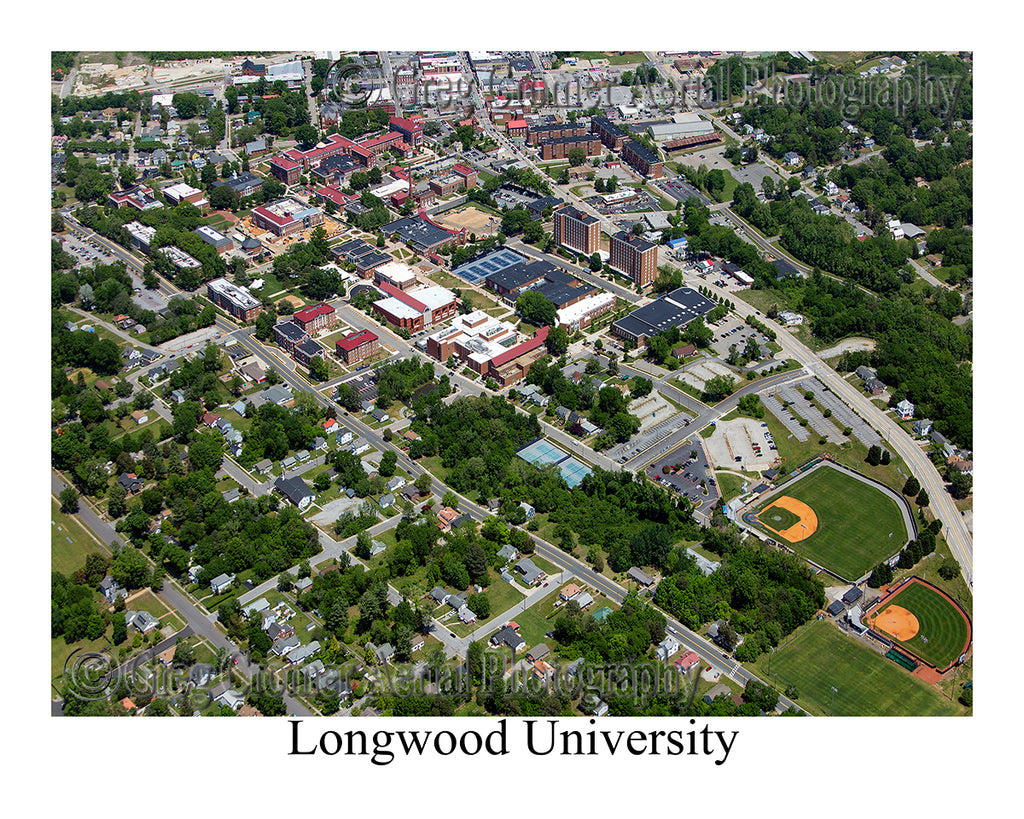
[(579, 315), (790, 318), (905, 410)]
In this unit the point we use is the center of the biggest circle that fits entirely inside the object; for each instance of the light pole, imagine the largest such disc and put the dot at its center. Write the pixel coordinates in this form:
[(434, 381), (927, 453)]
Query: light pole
[(831, 708)]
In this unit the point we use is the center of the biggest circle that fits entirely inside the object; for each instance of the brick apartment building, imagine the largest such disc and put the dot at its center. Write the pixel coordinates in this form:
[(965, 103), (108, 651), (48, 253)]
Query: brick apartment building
[(316, 318), (287, 335), (611, 135), (354, 347), (304, 351), (238, 301), (517, 127), (555, 130), (635, 257), (577, 230), (559, 148), (642, 160)]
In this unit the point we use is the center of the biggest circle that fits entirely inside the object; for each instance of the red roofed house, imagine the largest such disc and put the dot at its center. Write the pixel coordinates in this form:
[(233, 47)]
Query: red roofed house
[(516, 127), (446, 517), (331, 425), (318, 317), (354, 347), (687, 661), (510, 367), (210, 418)]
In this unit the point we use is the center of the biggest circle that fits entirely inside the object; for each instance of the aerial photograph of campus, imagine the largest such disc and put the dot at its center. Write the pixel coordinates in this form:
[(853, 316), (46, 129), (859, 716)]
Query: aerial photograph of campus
[(511, 383)]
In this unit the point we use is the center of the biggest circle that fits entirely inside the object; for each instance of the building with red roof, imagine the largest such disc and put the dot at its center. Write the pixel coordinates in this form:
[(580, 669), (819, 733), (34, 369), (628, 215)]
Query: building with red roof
[(510, 367), (285, 170), (315, 318), (417, 308), (516, 127), (411, 130), (354, 347)]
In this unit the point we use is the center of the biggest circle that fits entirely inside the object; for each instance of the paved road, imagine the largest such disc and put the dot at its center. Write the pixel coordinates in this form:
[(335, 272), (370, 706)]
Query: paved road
[(198, 622)]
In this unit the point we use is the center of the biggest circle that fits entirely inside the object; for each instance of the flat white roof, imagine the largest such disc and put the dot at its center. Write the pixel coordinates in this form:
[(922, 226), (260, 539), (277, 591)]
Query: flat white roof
[(582, 308), (397, 271), (433, 297), (397, 308)]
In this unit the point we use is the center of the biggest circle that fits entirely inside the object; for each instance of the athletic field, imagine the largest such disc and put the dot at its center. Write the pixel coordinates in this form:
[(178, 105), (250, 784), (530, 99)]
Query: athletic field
[(820, 657), (938, 632), (835, 520)]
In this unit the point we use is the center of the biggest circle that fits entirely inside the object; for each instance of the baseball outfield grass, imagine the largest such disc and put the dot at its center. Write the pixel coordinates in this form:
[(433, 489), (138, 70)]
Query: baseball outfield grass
[(820, 657), (854, 522), (942, 630)]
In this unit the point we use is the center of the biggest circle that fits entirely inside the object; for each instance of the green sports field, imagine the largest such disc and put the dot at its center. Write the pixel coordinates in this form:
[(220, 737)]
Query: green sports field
[(820, 657), (942, 633), (854, 522)]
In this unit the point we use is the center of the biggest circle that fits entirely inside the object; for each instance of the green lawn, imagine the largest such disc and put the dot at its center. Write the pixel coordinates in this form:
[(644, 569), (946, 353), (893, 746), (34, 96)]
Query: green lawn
[(730, 485), (60, 651), (629, 58), (943, 632), (69, 542), (820, 657), (854, 522)]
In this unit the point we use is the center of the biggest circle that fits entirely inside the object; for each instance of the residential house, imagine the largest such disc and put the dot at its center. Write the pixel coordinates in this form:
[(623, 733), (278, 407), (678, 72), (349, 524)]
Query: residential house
[(142, 621), (532, 575), (439, 595), (284, 646), (667, 647), (640, 576), (221, 583), (508, 552), (538, 652), (296, 490), (905, 410), (508, 636)]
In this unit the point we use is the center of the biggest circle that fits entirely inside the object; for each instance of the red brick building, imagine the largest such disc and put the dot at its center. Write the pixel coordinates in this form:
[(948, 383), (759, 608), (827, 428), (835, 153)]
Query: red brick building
[(516, 127), (510, 367), (556, 130), (318, 317), (416, 309), (410, 130), (559, 148), (635, 257), (354, 347), (642, 160), (285, 170), (577, 230), (467, 174)]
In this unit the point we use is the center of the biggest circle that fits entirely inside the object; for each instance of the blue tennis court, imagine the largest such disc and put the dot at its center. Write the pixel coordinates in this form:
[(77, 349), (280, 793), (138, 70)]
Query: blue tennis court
[(542, 452), (479, 269), (573, 472)]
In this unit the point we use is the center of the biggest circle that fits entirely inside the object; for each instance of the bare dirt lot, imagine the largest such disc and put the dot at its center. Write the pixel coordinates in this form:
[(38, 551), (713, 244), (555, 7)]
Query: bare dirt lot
[(734, 439), (471, 218), (849, 345)]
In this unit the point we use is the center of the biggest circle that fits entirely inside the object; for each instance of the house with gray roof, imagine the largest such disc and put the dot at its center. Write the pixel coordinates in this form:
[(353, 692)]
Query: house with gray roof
[(303, 653), (221, 583), (532, 575), (640, 576), (285, 646)]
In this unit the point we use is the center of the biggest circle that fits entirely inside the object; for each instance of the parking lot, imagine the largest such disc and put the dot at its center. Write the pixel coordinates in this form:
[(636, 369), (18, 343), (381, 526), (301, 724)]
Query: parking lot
[(681, 190), (688, 466), (85, 251), (643, 201), (731, 331)]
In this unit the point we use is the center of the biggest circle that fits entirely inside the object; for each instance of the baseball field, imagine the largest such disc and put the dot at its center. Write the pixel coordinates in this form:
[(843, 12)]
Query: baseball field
[(924, 622), (835, 520), (820, 657)]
